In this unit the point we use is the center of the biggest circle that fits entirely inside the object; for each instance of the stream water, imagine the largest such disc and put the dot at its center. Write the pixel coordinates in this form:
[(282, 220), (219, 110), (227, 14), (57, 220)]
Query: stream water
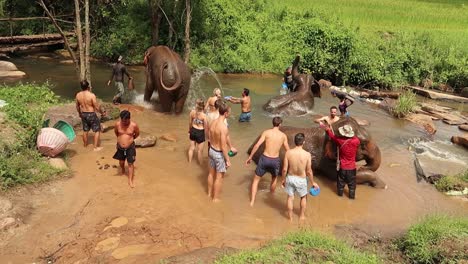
[(389, 210)]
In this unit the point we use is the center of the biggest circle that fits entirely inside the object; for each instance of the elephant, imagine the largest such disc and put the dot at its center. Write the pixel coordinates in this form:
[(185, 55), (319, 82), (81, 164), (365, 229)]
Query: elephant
[(323, 151), (301, 99), (167, 73)]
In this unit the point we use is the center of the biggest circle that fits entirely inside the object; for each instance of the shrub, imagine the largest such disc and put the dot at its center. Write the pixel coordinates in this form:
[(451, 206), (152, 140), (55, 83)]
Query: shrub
[(456, 182), (437, 239), (405, 104), (302, 247)]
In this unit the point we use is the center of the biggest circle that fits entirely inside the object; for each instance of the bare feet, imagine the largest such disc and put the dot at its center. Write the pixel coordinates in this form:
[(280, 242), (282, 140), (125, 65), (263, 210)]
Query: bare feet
[(289, 215), (216, 200), (302, 218), (252, 203), (97, 149)]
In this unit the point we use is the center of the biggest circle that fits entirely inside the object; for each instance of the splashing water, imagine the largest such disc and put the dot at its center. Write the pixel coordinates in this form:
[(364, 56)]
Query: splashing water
[(138, 99), (196, 90), (437, 150)]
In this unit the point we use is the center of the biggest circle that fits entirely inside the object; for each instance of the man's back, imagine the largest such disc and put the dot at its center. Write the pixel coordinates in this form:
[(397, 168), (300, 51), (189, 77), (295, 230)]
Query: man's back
[(217, 130), (246, 104), (87, 101), (298, 161), (118, 72), (274, 140)]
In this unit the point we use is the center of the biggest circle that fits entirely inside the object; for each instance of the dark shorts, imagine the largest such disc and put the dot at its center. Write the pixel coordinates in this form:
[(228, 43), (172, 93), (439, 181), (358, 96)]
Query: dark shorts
[(128, 154), (267, 164), (197, 135), (245, 117), (90, 121)]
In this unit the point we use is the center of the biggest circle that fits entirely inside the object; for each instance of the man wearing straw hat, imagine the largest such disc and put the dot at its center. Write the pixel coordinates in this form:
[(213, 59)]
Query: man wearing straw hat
[(347, 145)]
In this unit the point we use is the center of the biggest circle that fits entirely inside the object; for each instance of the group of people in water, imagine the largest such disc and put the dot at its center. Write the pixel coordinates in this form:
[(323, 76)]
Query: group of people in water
[(208, 121)]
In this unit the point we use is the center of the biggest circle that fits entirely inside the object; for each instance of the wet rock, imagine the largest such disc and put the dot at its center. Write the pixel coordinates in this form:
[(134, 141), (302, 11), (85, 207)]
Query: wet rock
[(145, 140), (5, 205), (108, 244), (58, 163), (460, 140), (202, 255), (12, 74), (463, 127), (65, 112), (423, 120), (464, 92), (112, 111), (7, 66), (169, 137), (7, 222), (117, 222), (131, 250), (388, 104)]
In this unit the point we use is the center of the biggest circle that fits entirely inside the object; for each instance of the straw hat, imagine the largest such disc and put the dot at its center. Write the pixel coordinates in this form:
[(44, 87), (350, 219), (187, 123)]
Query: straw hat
[(346, 131)]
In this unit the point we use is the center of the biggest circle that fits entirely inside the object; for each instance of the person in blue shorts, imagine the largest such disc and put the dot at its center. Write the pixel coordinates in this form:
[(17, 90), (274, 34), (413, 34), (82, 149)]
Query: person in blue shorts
[(246, 106)]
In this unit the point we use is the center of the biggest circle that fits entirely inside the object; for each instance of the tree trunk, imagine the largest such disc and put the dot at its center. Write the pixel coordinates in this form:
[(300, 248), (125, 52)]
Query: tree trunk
[(170, 22), (67, 44), (156, 17), (79, 35), (88, 42), (188, 12)]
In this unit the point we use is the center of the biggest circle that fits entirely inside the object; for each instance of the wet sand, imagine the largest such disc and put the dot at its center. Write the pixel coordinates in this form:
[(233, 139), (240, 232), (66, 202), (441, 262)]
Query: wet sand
[(169, 213)]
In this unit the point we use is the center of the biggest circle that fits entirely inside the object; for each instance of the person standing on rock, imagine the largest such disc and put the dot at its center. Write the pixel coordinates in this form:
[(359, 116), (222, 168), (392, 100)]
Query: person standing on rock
[(220, 144), (330, 119), (126, 131), (118, 72), (345, 102), (87, 106), (197, 128), (269, 161)]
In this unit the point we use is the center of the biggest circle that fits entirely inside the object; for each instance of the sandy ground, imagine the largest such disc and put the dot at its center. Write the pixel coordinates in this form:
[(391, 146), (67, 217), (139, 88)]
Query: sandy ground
[(94, 217)]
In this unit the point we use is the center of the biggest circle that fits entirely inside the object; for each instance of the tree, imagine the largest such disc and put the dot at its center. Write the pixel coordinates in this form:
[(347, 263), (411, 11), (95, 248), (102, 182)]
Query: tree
[(156, 17), (188, 12)]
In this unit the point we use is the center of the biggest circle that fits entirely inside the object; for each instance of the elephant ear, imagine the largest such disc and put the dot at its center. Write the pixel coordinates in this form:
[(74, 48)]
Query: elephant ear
[(315, 87)]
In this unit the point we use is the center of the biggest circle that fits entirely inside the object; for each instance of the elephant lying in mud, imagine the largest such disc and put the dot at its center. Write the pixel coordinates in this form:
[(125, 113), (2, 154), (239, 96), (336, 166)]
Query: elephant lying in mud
[(323, 151), (301, 100), (166, 73)]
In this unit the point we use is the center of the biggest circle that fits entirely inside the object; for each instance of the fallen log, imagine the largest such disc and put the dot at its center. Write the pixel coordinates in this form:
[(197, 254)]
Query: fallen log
[(29, 39), (22, 47), (378, 94), (436, 95)]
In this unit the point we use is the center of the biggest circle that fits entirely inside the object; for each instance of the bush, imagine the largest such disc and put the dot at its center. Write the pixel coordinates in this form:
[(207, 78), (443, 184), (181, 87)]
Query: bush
[(456, 182), (20, 163), (302, 247), (405, 104), (437, 239)]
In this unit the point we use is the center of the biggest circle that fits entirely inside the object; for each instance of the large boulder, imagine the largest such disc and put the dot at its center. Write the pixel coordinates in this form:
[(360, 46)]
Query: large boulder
[(423, 120), (460, 140), (7, 66), (9, 70), (464, 92)]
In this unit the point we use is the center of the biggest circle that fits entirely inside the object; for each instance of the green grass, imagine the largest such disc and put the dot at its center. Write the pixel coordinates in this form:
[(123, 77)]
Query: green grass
[(405, 104), (457, 182), (437, 239), (20, 162), (302, 247), (447, 20)]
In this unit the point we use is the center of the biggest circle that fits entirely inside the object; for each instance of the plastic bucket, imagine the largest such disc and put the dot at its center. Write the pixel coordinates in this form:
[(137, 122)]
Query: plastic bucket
[(66, 128), (51, 141)]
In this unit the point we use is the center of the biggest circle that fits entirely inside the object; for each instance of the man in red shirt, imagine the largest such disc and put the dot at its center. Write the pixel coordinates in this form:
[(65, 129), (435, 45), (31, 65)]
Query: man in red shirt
[(347, 146)]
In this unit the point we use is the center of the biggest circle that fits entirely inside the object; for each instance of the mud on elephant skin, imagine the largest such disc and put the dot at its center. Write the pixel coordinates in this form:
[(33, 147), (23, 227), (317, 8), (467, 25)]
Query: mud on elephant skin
[(167, 74), (301, 100), (323, 151)]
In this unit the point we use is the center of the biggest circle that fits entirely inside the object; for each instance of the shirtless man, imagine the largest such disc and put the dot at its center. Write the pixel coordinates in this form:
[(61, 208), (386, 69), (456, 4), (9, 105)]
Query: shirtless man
[(86, 105), (220, 145), (269, 161), (246, 107), (126, 131), (297, 164), (330, 119)]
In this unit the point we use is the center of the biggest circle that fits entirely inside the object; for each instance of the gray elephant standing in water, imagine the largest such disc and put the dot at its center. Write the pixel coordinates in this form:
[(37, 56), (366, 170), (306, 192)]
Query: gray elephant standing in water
[(301, 100), (323, 151), (168, 74)]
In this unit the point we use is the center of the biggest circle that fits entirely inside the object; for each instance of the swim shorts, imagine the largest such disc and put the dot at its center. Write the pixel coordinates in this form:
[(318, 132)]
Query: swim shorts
[(217, 160), (120, 88), (245, 117), (197, 135), (296, 184), (267, 164), (90, 120), (126, 153)]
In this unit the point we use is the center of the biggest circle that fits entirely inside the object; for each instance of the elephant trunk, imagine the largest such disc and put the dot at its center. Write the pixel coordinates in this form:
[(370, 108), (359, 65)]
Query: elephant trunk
[(372, 160), (173, 68)]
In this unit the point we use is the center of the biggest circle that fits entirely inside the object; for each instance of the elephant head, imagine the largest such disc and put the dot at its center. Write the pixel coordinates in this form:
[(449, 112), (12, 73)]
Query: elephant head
[(323, 151), (167, 74)]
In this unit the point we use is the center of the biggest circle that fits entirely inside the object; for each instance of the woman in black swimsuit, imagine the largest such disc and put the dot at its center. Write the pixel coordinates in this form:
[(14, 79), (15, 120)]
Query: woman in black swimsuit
[(197, 127)]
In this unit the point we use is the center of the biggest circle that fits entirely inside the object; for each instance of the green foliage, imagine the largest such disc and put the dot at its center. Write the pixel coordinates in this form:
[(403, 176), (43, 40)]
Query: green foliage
[(20, 163), (457, 182), (302, 247), (437, 239), (405, 104)]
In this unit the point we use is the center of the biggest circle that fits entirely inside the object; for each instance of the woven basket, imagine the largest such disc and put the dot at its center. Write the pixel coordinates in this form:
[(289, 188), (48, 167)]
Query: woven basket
[(51, 141)]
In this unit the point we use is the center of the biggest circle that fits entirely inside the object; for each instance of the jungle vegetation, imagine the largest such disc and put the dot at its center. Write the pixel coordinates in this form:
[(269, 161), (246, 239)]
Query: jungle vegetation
[(373, 43)]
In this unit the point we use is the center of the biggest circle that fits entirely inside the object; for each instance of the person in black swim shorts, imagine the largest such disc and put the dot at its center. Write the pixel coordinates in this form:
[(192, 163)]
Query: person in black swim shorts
[(269, 161)]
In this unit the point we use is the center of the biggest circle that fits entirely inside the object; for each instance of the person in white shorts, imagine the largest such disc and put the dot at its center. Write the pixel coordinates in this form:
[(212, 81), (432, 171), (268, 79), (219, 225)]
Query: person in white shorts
[(297, 164)]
